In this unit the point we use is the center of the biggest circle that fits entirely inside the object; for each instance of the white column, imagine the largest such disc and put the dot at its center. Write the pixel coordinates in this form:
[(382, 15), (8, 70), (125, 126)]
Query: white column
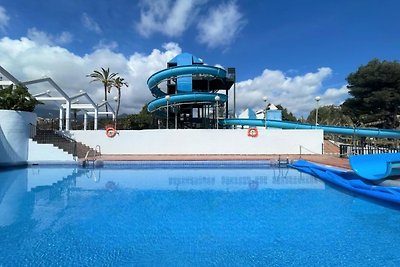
[(84, 121), (60, 120), (317, 99), (96, 113), (167, 98), (67, 115)]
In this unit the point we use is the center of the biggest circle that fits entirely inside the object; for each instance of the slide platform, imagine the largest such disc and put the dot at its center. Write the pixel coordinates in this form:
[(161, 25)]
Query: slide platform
[(351, 182), (376, 166)]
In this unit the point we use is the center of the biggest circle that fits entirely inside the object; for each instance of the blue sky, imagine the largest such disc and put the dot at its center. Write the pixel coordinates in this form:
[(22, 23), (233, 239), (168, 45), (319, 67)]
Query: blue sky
[(289, 51)]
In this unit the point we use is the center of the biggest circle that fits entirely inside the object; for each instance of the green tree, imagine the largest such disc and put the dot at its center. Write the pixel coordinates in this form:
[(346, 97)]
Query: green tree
[(106, 78), (330, 115), (17, 98), (119, 83), (375, 91), (143, 120), (286, 115)]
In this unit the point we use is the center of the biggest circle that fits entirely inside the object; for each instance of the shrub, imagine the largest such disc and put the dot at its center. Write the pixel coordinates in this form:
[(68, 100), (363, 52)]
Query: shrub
[(17, 98)]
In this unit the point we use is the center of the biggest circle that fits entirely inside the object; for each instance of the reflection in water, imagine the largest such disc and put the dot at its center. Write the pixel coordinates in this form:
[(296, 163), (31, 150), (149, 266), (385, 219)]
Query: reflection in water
[(185, 216), (12, 191), (199, 179), (51, 188)]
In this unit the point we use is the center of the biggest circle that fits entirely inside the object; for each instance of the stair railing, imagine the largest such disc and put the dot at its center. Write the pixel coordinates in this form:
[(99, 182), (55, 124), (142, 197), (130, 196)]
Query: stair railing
[(96, 152)]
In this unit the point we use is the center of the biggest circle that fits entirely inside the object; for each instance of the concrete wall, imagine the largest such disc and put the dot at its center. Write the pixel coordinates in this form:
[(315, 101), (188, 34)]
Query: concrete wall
[(14, 136), (204, 141)]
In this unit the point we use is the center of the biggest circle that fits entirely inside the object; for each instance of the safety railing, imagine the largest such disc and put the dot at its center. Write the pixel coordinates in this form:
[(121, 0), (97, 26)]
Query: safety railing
[(348, 150), (91, 156)]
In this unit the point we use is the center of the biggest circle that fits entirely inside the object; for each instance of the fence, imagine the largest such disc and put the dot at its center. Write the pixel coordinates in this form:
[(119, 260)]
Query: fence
[(347, 150)]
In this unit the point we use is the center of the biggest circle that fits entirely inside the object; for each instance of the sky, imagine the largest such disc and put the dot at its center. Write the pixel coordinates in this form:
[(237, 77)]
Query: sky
[(289, 50)]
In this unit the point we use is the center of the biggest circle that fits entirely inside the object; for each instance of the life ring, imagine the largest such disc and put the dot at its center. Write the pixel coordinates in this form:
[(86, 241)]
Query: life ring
[(252, 132), (111, 132)]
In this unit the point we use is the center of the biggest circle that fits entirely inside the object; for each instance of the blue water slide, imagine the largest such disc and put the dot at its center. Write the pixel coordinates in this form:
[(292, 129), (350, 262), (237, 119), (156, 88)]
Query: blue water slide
[(180, 71), (350, 181), (381, 133), (376, 166), (185, 98)]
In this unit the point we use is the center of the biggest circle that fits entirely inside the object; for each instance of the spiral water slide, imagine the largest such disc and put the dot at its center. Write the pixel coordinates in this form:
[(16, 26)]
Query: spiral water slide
[(183, 96)]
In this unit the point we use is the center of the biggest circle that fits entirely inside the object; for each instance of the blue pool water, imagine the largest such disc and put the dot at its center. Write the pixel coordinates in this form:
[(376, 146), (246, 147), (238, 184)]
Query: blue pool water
[(188, 214)]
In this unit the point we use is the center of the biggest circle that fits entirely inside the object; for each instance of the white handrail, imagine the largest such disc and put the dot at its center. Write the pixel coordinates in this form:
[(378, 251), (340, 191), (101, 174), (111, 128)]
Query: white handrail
[(96, 151)]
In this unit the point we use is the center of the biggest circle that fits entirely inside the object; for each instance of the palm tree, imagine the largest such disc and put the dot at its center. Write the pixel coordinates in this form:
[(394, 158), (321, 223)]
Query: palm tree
[(119, 83), (106, 78)]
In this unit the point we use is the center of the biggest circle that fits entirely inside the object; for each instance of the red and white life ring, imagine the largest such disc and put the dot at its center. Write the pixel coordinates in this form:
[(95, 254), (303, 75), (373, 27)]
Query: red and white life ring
[(111, 132), (252, 132)]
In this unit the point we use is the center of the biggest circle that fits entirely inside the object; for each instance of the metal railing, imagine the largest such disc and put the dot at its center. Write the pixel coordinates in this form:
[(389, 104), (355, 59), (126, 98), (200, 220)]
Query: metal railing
[(95, 152), (348, 150)]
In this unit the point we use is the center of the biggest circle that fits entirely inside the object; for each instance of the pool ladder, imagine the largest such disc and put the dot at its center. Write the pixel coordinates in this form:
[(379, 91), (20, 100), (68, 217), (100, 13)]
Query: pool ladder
[(283, 162), (96, 152)]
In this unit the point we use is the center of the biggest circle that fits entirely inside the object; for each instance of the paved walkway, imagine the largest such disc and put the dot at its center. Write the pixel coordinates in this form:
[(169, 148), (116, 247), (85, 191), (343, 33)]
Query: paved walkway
[(322, 159)]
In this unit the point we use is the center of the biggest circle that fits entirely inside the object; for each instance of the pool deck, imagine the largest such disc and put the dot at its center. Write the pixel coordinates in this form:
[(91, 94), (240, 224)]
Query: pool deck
[(321, 159)]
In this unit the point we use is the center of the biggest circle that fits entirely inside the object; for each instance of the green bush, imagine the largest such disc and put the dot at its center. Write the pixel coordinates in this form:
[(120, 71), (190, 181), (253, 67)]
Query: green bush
[(17, 98)]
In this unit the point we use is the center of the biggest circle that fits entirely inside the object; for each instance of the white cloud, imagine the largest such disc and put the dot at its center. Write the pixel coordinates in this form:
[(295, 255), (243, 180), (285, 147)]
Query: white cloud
[(90, 24), (39, 36), (141, 67), (106, 45), (221, 26), (335, 95), (27, 59), (3, 18), (169, 17), (294, 93), (43, 38), (64, 38)]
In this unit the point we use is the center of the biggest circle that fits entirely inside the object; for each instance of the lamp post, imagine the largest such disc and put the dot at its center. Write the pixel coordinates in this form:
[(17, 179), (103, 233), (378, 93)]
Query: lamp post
[(217, 98), (317, 99), (167, 97), (115, 112), (265, 111)]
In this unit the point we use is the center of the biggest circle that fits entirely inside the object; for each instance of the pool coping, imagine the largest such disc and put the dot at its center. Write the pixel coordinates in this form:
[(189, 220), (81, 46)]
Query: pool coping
[(238, 158), (280, 158)]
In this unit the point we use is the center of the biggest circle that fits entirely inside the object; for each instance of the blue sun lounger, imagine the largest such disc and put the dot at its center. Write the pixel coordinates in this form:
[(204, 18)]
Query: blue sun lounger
[(376, 166)]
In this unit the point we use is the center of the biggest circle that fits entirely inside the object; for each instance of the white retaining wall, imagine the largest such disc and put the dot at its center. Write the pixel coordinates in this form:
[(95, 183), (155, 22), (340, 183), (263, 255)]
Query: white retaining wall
[(204, 141), (46, 152), (14, 135)]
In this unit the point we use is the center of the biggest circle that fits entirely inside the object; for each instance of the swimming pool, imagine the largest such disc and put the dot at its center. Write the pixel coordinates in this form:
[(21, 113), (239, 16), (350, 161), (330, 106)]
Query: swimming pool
[(180, 214)]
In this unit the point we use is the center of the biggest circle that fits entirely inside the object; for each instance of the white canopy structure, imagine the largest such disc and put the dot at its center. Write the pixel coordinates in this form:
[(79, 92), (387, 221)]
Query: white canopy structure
[(66, 103)]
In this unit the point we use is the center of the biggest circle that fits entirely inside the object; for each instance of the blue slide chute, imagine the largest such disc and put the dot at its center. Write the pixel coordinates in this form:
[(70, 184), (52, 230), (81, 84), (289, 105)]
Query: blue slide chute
[(350, 181), (381, 133), (185, 98), (376, 166), (181, 71)]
